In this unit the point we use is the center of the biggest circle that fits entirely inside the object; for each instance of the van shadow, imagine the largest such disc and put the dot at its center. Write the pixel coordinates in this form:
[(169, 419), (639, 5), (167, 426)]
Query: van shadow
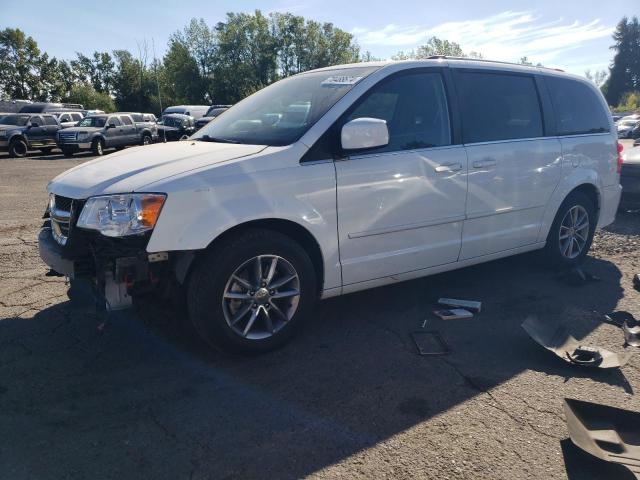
[(143, 396)]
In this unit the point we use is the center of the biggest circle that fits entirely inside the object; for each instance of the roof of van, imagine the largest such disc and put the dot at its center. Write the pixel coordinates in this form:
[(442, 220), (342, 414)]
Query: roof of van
[(436, 60)]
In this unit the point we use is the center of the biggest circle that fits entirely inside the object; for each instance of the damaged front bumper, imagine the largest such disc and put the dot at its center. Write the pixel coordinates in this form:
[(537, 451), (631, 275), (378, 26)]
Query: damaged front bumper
[(117, 268)]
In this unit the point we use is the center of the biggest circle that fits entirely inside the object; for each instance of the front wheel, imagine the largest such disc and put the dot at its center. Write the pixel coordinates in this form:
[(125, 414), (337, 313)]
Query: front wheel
[(18, 148), (97, 147), (252, 292), (146, 139), (572, 231)]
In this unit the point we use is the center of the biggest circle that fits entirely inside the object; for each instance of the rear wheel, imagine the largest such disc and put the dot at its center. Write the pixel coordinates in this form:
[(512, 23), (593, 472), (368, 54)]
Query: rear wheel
[(252, 292), (18, 148), (572, 231), (97, 147)]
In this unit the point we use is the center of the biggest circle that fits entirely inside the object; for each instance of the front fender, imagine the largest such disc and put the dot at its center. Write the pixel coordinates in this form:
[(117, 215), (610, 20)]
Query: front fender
[(201, 207), (576, 177)]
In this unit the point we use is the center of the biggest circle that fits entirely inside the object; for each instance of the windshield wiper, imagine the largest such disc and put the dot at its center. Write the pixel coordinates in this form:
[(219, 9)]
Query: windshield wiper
[(207, 138)]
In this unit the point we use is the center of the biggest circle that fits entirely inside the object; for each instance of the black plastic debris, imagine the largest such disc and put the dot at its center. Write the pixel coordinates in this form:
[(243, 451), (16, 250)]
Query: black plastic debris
[(609, 433), (556, 338), (430, 343), (577, 277), (636, 281)]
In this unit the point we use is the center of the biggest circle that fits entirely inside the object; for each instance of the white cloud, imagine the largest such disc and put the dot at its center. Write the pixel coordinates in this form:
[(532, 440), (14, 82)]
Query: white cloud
[(504, 36)]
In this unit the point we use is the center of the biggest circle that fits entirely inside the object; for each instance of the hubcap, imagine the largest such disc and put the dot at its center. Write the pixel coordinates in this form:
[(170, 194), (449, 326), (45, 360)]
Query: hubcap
[(261, 297), (574, 231)]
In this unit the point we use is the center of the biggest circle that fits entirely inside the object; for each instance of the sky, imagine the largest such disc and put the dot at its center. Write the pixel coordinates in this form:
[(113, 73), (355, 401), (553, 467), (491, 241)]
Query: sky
[(569, 34)]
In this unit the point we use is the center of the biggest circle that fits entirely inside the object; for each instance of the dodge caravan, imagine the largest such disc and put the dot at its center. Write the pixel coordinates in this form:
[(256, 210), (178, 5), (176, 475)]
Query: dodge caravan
[(392, 171)]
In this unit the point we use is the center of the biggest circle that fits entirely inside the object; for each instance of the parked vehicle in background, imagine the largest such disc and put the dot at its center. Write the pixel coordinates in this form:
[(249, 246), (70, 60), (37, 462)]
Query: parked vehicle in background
[(616, 118), (12, 106), (147, 126), (21, 132), (213, 112), (627, 128), (360, 176), (93, 112), (68, 119), (195, 111), (630, 178), (175, 126), (98, 133), (42, 107)]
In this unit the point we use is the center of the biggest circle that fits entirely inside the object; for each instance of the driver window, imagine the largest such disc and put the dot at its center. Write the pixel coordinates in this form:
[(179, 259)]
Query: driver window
[(415, 108)]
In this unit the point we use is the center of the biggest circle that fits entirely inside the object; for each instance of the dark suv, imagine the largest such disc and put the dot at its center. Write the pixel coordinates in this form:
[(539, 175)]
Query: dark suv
[(21, 132), (97, 133), (213, 112)]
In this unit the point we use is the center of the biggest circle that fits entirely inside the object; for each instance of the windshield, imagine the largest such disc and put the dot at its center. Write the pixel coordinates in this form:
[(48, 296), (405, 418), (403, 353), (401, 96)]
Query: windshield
[(175, 122), (18, 120), (628, 123), (173, 110), (281, 113), (92, 122)]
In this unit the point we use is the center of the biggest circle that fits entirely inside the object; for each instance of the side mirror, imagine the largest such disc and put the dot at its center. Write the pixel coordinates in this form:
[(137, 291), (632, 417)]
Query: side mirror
[(363, 133), (34, 125)]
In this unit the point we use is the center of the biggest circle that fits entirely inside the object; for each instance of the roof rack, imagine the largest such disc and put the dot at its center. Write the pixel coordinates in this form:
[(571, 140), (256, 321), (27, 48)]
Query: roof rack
[(434, 57)]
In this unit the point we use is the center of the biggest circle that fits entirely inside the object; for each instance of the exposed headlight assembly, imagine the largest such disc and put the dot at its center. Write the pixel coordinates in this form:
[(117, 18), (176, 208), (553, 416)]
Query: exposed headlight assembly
[(82, 135), (3, 134), (121, 215)]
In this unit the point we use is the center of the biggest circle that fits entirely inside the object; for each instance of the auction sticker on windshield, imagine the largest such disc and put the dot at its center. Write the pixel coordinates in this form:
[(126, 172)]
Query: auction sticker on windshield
[(341, 80)]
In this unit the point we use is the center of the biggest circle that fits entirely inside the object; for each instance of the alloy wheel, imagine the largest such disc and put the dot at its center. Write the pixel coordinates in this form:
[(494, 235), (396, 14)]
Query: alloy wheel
[(261, 297), (574, 232)]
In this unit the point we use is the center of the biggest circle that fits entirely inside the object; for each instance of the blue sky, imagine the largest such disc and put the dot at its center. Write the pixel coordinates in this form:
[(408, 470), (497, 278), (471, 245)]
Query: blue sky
[(573, 35)]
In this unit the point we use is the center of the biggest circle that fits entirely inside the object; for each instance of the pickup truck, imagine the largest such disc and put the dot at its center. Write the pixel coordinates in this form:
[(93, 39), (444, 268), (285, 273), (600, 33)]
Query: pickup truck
[(147, 126), (21, 132), (97, 133)]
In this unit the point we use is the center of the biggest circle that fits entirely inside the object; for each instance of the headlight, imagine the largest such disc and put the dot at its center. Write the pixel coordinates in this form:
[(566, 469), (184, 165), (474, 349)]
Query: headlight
[(3, 134), (120, 215), (82, 135)]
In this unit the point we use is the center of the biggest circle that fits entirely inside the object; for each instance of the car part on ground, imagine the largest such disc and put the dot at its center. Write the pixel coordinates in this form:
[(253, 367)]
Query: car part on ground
[(631, 329), (555, 338), (636, 281), (471, 305), (430, 343), (609, 433), (577, 277)]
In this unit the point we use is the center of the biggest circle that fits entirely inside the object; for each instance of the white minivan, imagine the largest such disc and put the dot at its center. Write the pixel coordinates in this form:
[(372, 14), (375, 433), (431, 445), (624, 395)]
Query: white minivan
[(338, 180)]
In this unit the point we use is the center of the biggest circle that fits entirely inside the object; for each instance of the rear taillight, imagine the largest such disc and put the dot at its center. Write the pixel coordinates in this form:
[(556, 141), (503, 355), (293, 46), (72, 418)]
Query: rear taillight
[(620, 148)]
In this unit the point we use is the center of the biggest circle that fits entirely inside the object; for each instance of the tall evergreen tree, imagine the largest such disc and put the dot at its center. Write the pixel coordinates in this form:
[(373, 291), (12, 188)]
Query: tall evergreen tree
[(624, 73)]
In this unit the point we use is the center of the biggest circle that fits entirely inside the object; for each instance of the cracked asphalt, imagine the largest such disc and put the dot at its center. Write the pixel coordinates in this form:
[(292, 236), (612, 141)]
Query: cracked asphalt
[(139, 396)]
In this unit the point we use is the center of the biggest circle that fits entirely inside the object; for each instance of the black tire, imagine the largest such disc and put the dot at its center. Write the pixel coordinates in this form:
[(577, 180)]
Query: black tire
[(97, 147), (18, 148), (209, 280), (554, 248), (46, 150), (146, 139), (68, 152)]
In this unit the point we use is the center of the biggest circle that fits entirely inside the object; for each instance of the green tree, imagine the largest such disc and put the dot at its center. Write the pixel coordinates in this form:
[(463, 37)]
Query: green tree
[(85, 94), (624, 72), (179, 76), (19, 62), (435, 46)]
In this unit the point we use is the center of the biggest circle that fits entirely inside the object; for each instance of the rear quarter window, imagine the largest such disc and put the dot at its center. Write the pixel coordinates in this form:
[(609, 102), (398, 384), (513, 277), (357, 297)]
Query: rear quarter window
[(498, 106), (577, 107)]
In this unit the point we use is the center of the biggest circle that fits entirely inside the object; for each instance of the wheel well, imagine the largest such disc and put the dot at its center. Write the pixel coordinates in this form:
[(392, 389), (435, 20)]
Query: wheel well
[(590, 191), (290, 229)]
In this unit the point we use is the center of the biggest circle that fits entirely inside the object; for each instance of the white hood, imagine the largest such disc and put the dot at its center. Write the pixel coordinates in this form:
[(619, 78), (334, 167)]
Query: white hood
[(132, 169)]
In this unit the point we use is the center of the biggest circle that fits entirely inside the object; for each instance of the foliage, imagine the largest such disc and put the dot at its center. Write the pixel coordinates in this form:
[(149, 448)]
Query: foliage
[(85, 94), (630, 102), (219, 63), (624, 72), (435, 46)]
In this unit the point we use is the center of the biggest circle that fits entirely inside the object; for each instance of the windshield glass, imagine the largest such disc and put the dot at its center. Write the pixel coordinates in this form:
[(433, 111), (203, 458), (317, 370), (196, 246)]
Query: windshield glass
[(18, 120), (281, 113), (92, 122), (175, 122), (628, 123), (173, 110)]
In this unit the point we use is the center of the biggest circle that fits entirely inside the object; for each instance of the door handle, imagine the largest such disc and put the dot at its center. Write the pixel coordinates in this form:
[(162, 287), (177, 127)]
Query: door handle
[(448, 167), (487, 162)]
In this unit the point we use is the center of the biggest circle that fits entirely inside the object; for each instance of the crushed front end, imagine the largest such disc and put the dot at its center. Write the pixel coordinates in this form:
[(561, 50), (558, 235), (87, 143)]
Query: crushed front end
[(118, 267)]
